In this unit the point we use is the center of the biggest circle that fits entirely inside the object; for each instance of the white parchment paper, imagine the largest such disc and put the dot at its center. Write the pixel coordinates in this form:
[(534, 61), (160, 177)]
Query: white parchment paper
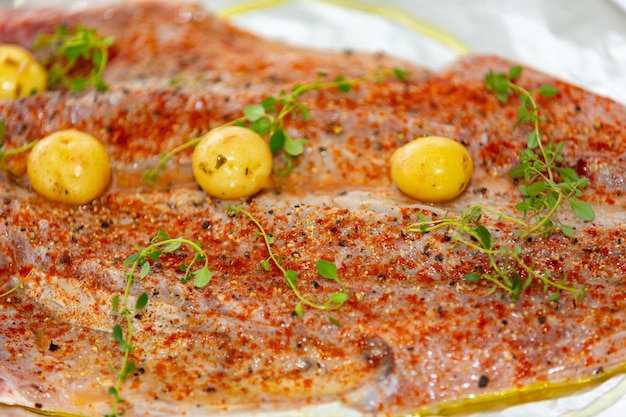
[(582, 41)]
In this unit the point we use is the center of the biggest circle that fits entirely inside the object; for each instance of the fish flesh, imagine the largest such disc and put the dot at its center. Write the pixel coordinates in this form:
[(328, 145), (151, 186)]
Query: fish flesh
[(414, 337)]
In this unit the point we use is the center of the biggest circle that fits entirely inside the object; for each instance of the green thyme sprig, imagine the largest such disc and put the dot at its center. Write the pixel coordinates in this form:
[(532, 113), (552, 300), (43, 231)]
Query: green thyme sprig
[(11, 152), (544, 185), (18, 285), (138, 267), (12, 289), (325, 269), (508, 269), (268, 118), (67, 49)]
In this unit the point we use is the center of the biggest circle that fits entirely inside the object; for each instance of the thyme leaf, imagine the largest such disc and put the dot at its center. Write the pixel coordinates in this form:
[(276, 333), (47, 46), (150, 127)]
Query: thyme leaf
[(325, 269), (11, 152), (68, 49), (544, 184), (268, 117), (138, 266)]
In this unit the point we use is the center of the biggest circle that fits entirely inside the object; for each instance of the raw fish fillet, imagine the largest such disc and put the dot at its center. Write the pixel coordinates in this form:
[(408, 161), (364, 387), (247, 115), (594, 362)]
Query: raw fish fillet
[(414, 335)]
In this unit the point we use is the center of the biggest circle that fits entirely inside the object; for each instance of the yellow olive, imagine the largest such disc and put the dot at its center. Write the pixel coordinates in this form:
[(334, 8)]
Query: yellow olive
[(20, 74), (232, 162), (432, 169), (69, 166)]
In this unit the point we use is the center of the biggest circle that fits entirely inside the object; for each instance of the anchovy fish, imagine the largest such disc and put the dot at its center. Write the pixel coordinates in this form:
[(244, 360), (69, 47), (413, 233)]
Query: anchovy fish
[(414, 337)]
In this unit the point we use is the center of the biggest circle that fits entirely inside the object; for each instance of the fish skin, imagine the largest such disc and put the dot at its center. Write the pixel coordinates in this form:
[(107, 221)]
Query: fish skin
[(414, 334)]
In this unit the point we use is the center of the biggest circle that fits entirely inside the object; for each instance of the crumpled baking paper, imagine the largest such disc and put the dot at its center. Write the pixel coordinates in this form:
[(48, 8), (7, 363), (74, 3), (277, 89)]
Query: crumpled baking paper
[(577, 40)]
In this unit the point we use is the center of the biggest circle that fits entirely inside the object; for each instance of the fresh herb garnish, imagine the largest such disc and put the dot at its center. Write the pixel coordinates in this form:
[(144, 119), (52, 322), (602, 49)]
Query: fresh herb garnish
[(12, 289), (138, 267), (17, 286), (325, 268), (268, 117), (508, 268), (544, 184), (67, 49), (12, 152)]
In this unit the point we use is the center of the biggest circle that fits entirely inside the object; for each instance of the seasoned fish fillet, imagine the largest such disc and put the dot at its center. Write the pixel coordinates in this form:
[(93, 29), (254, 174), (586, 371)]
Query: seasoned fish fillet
[(414, 335)]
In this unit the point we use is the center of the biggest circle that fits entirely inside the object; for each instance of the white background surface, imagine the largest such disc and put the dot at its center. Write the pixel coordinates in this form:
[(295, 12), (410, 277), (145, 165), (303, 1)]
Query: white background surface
[(583, 41)]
